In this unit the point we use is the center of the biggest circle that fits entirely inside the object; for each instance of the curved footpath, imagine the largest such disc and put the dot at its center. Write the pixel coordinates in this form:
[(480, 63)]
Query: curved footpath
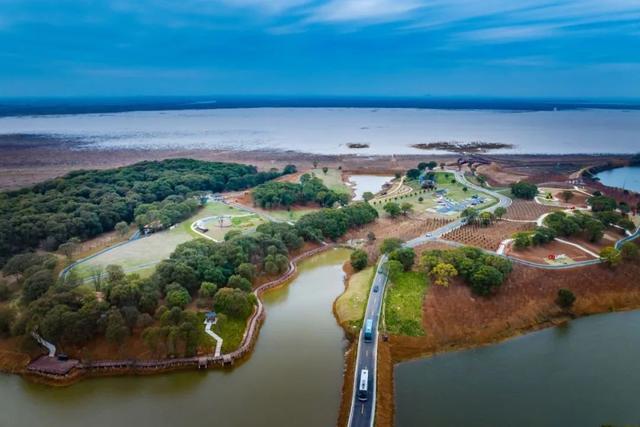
[(362, 413), (48, 368)]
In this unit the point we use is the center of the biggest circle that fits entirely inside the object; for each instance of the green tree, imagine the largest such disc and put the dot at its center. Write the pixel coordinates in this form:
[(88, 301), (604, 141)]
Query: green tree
[(565, 298), (36, 285), (7, 317), (500, 212), (122, 228), (394, 269), (177, 296), (359, 259), (522, 240), (247, 270), (371, 236), (524, 190), (70, 247), (413, 173), (611, 256), (367, 195), (629, 251), (470, 214), (392, 209), (406, 257), (325, 170), (391, 244), (406, 208), (442, 273), (238, 282), (233, 302), (207, 290), (486, 279), (116, 331)]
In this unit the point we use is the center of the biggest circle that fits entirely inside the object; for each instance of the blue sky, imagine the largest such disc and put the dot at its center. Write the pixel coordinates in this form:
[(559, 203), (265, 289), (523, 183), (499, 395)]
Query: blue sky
[(565, 48)]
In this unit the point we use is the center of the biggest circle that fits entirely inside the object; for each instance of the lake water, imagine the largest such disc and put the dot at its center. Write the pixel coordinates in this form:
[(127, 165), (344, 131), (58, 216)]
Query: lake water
[(584, 374), (330, 130), (293, 378), (628, 177), (364, 183)]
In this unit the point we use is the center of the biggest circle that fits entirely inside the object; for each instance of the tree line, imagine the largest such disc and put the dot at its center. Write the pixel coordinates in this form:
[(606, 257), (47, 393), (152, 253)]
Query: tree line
[(85, 203), (310, 189), (214, 275)]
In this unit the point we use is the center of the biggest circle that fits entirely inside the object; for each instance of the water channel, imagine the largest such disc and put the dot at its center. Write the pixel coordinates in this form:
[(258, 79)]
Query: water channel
[(627, 178), (586, 373), (294, 377)]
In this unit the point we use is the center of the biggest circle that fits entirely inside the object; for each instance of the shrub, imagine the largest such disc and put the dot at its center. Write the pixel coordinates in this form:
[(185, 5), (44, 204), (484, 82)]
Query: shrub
[(359, 259), (524, 190), (389, 245), (611, 256), (565, 298)]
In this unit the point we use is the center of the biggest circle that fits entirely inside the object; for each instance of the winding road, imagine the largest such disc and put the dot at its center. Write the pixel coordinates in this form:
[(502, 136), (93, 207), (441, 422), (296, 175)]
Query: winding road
[(362, 413)]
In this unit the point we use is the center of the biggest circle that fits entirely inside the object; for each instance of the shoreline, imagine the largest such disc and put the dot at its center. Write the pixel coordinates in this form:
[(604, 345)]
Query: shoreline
[(26, 160), (107, 368)]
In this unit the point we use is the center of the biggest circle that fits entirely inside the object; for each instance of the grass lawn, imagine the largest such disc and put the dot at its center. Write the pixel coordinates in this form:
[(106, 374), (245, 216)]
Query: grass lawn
[(230, 330), (454, 192), (403, 304), (146, 252), (292, 215), (332, 179), (351, 304)]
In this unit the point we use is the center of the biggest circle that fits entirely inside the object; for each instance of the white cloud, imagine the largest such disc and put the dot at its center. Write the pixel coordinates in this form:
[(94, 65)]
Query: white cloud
[(511, 33), (364, 10), (268, 6)]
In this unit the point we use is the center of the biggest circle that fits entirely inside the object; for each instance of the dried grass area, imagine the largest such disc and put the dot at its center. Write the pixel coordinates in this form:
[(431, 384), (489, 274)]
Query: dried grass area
[(487, 237), (540, 253), (527, 210), (454, 318), (404, 228)]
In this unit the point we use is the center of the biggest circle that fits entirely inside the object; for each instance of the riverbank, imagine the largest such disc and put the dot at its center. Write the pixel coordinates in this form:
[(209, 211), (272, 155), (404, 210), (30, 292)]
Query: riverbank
[(455, 320), (98, 368)]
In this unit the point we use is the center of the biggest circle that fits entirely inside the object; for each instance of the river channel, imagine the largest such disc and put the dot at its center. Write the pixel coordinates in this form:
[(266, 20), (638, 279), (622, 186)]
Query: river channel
[(294, 376), (586, 373)]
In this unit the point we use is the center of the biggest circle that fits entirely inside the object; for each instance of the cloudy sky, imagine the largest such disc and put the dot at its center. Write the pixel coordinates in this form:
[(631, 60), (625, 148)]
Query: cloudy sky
[(563, 48)]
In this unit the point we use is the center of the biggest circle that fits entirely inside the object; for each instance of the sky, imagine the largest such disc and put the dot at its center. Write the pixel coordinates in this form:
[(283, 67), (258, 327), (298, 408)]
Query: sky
[(503, 48)]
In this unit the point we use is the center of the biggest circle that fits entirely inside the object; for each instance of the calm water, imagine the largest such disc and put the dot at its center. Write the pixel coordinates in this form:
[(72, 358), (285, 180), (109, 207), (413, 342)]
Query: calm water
[(583, 374), (364, 183), (295, 374), (330, 130), (628, 178)]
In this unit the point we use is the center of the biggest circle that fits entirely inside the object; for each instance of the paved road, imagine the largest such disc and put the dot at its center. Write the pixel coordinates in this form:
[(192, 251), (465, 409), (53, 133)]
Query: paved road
[(363, 413)]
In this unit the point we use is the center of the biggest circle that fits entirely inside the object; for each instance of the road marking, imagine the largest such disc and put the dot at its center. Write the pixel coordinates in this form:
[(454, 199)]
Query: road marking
[(367, 353), (362, 409)]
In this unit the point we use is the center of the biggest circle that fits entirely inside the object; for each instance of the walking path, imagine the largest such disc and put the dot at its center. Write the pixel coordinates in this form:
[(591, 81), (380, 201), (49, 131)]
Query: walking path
[(207, 328)]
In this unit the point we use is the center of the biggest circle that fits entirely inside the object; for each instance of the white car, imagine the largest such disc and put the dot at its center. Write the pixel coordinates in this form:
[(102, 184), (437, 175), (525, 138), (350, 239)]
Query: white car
[(429, 235)]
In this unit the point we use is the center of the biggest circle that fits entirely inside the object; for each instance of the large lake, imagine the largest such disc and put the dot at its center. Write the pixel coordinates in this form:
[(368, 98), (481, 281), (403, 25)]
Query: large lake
[(628, 178), (293, 378), (329, 130), (584, 374)]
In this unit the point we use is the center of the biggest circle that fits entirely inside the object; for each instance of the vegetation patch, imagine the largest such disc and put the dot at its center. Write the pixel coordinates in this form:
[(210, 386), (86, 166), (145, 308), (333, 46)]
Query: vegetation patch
[(350, 306), (231, 330), (403, 303)]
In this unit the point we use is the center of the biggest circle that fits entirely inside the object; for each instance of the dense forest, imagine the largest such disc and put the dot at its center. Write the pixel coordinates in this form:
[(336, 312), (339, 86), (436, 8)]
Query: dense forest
[(83, 204), (215, 275), (285, 194)]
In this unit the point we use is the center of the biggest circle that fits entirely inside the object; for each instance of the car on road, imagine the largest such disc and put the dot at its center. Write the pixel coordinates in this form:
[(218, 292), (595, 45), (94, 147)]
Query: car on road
[(368, 330), (428, 235), (376, 288)]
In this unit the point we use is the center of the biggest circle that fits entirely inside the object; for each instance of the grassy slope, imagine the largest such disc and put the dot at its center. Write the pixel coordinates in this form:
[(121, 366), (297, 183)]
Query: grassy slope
[(351, 304), (149, 250), (333, 180), (403, 304)]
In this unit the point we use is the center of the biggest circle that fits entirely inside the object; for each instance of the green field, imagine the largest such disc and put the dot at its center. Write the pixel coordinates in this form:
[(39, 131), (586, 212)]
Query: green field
[(231, 330), (455, 191), (242, 222), (351, 304), (403, 304), (333, 180), (143, 254)]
